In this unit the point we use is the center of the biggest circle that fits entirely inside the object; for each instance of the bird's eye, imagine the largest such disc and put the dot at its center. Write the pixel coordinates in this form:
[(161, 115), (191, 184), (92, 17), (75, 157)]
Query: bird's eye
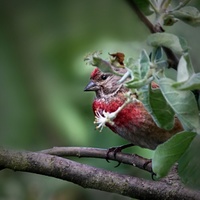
[(104, 76)]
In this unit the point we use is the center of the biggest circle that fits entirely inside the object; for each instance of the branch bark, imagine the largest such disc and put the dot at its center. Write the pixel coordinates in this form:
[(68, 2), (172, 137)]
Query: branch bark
[(125, 158), (91, 177)]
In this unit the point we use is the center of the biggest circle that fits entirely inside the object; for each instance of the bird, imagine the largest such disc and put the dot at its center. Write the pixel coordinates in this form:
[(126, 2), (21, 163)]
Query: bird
[(132, 121)]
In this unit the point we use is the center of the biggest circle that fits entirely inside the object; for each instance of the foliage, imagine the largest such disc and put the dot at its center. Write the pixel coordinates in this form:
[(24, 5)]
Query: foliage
[(173, 97)]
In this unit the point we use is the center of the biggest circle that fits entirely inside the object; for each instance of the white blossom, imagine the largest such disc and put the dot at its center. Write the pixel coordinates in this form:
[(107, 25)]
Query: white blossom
[(102, 119)]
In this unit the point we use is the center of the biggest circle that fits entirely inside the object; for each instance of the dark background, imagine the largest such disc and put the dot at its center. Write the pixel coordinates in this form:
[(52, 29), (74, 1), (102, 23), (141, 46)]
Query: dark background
[(42, 78)]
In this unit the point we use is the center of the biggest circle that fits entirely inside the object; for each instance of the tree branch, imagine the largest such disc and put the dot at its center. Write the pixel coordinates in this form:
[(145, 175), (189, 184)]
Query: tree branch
[(172, 58), (143, 18), (91, 177), (130, 159)]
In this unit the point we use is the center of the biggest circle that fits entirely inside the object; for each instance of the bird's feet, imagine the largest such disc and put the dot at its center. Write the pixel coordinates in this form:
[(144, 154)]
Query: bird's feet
[(149, 161), (115, 150), (146, 163)]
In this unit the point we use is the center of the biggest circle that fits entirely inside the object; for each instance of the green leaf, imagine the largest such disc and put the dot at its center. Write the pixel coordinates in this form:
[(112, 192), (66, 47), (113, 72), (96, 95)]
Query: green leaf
[(138, 84), (169, 152), (171, 73), (159, 58), (192, 83), (189, 165), (140, 71), (188, 14), (182, 74), (159, 55), (135, 67), (184, 44), (168, 40), (169, 20), (156, 105), (185, 68), (94, 60), (186, 78), (162, 113), (144, 64), (183, 103)]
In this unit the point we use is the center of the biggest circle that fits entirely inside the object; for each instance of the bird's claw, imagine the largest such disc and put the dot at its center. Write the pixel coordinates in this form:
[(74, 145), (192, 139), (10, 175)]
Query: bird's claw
[(115, 150), (146, 163), (153, 175)]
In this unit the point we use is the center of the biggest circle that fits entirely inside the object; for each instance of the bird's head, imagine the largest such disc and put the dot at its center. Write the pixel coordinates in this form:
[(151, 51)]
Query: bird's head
[(104, 84)]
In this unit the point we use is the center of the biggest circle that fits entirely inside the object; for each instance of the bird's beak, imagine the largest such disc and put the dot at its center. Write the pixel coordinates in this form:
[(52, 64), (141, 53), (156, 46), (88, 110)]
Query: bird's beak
[(91, 86)]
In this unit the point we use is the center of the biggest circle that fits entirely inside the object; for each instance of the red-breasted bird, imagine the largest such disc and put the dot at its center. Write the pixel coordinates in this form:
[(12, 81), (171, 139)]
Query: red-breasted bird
[(132, 121)]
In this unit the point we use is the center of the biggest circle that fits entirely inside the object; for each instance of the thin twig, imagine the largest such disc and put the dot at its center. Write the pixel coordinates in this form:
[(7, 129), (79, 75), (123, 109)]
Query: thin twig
[(141, 16), (125, 158), (172, 59)]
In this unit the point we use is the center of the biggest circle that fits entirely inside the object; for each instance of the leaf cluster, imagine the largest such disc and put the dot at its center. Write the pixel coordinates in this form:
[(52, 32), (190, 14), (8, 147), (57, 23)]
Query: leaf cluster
[(171, 97), (167, 15)]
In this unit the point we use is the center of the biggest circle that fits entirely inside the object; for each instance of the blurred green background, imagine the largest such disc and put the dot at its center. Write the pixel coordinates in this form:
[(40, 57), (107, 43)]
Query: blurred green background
[(42, 78)]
